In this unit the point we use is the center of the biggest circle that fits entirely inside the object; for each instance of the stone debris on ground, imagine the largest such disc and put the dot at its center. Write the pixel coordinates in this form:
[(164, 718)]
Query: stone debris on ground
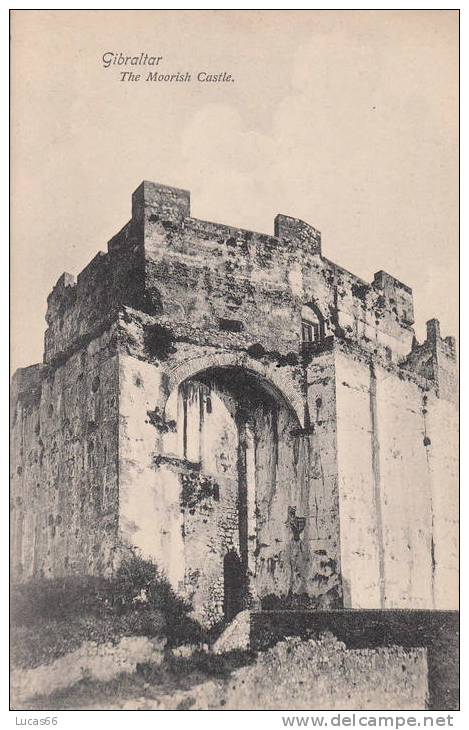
[(320, 674)]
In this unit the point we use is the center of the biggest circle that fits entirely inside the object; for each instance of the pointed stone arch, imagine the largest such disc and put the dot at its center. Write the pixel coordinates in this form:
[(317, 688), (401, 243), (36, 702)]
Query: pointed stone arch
[(279, 383)]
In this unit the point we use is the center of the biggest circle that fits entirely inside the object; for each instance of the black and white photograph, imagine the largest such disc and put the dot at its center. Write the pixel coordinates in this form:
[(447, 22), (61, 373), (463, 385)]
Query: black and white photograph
[(234, 419)]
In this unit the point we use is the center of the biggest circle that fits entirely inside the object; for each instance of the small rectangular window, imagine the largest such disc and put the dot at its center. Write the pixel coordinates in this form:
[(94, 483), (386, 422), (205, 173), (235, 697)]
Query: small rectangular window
[(309, 332)]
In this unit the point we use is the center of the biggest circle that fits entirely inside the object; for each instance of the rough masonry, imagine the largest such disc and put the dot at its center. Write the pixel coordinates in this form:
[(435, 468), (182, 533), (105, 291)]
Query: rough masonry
[(257, 420)]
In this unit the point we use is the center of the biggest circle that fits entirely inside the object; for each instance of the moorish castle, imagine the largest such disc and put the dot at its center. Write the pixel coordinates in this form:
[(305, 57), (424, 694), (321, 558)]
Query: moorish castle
[(259, 421)]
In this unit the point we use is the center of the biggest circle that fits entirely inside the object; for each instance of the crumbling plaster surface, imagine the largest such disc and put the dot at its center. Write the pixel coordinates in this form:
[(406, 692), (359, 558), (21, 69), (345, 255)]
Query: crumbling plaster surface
[(398, 472), (149, 513), (183, 509)]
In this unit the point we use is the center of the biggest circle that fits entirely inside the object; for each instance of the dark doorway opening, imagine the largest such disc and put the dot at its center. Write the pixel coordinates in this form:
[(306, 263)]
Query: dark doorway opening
[(234, 585)]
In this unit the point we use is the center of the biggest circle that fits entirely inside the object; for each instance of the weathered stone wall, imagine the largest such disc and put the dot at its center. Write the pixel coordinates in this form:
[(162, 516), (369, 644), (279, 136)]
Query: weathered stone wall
[(209, 491), (202, 275), (64, 480), (224, 285), (397, 459), (324, 674), (436, 631), (321, 476), (182, 479), (314, 673), (149, 510), (441, 434)]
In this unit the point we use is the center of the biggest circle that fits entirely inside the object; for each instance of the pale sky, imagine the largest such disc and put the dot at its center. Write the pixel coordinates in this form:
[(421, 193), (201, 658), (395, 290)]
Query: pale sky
[(346, 119)]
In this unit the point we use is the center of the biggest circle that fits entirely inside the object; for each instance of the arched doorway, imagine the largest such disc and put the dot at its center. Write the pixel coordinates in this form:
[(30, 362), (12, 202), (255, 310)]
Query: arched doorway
[(236, 440), (234, 584)]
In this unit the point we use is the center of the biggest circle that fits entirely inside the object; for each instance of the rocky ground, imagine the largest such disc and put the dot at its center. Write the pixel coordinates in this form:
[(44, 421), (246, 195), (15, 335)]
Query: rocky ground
[(320, 674)]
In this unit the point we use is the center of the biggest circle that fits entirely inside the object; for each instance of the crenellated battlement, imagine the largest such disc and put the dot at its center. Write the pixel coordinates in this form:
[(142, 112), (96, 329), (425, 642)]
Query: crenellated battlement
[(160, 201), (436, 360), (298, 232), (181, 269)]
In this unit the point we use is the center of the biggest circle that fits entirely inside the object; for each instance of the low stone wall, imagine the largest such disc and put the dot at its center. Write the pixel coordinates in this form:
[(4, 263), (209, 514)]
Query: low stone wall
[(94, 661), (236, 635), (436, 631), (314, 674)]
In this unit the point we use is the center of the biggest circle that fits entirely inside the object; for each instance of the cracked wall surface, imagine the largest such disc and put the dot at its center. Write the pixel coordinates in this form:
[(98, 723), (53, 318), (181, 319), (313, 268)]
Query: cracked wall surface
[(398, 490)]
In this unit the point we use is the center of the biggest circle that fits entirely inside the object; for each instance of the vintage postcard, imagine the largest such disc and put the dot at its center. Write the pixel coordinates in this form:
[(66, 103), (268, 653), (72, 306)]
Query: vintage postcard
[(234, 394)]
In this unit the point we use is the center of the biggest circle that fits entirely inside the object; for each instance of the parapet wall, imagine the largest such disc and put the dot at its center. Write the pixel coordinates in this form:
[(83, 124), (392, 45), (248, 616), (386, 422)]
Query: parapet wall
[(212, 277), (437, 631)]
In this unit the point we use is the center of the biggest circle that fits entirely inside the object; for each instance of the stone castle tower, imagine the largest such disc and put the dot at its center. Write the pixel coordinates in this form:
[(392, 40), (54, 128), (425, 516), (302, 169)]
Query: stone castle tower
[(254, 418)]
